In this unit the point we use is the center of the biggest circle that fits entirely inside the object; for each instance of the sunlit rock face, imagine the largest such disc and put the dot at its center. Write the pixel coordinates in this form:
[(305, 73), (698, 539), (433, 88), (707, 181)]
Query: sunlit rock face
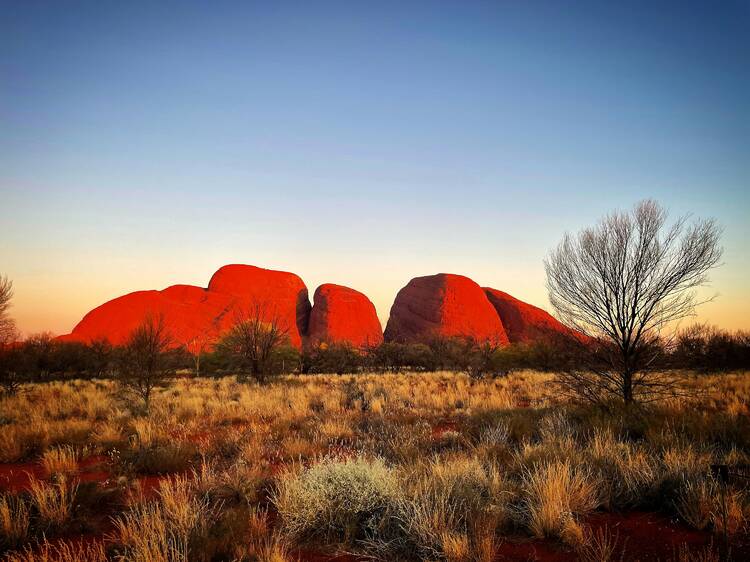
[(188, 312), (443, 305), (340, 314), (279, 294), (194, 314)]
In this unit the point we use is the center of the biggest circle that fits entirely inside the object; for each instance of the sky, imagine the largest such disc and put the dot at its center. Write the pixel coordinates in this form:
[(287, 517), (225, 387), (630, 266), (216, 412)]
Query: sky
[(144, 144)]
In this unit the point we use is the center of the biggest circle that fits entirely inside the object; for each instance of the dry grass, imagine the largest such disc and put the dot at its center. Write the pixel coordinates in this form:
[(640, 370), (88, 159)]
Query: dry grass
[(53, 501), (60, 552), (419, 466), (603, 545), (14, 520), (556, 494), (61, 460)]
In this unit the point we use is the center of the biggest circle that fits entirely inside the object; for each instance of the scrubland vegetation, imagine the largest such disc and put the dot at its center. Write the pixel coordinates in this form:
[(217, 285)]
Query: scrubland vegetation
[(403, 466)]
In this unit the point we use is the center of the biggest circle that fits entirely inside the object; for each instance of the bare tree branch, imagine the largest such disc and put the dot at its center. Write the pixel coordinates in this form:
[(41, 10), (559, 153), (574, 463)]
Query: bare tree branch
[(255, 336), (622, 283)]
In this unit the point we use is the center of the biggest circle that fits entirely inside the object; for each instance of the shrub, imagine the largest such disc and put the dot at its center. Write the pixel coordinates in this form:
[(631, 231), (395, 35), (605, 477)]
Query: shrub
[(338, 500), (338, 358)]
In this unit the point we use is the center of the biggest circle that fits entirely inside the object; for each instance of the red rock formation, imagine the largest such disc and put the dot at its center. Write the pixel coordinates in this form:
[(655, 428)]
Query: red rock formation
[(341, 314), (189, 313), (280, 294), (523, 322), (198, 314), (443, 305)]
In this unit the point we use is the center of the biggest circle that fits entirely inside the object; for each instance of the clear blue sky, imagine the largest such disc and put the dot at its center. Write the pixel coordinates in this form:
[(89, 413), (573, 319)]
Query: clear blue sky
[(145, 143)]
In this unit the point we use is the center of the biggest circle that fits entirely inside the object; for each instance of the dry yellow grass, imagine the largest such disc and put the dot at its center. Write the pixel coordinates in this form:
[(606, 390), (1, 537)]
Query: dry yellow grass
[(14, 520), (53, 501), (555, 493), (433, 465), (60, 460), (60, 552)]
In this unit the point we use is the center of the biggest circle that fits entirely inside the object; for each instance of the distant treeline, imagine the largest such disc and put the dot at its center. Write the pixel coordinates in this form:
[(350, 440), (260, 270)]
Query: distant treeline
[(42, 358)]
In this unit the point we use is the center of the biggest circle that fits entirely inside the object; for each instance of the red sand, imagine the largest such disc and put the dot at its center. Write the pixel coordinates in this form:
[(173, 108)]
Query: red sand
[(15, 477)]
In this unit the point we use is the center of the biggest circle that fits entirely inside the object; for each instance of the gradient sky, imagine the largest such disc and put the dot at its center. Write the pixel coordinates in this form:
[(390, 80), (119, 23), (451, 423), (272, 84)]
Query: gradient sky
[(143, 145)]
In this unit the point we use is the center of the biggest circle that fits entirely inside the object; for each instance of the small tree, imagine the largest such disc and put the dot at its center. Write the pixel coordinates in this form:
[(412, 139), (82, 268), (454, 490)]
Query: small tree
[(253, 340), (622, 283), (100, 357), (8, 332), (197, 349), (10, 355), (145, 361)]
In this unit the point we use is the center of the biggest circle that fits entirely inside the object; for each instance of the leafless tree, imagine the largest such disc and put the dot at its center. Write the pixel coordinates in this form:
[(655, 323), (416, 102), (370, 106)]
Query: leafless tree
[(257, 333), (623, 284), (8, 332), (10, 356), (145, 361)]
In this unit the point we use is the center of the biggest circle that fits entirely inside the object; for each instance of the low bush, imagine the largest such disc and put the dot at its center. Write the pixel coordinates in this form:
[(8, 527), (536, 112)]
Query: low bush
[(346, 501)]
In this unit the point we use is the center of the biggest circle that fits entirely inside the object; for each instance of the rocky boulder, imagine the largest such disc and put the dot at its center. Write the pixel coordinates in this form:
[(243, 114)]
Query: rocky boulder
[(190, 314), (340, 314), (523, 322), (195, 315), (279, 294), (443, 305)]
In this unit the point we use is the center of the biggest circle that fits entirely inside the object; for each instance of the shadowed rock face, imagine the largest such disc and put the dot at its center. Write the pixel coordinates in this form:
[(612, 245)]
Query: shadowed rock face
[(197, 314), (341, 314), (523, 322), (443, 305)]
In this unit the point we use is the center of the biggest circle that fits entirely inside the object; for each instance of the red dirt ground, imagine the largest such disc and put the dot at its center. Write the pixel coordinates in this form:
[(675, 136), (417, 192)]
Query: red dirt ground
[(14, 477)]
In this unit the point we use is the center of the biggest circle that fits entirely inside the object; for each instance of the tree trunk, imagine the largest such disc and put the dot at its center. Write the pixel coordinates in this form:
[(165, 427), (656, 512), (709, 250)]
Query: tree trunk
[(627, 388)]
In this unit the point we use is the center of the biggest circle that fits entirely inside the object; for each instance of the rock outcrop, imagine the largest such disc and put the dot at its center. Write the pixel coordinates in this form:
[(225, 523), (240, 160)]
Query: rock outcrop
[(443, 305), (279, 294), (523, 322), (194, 314), (340, 314), (190, 313)]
